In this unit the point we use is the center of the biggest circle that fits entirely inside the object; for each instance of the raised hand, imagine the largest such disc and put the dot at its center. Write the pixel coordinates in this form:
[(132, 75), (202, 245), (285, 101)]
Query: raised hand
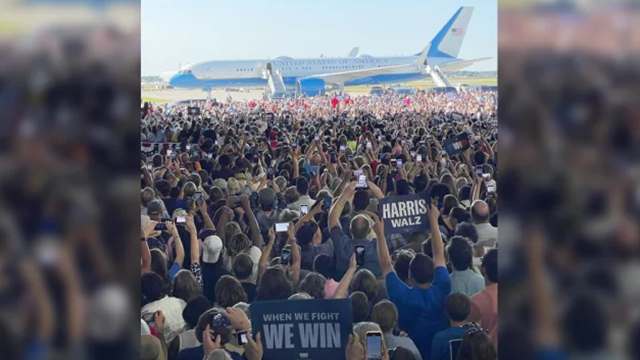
[(191, 225), (253, 349), (159, 320), (148, 228), (209, 343), (434, 213), (355, 350)]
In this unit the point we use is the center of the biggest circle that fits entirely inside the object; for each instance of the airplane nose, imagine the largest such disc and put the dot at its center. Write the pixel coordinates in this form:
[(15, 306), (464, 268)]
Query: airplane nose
[(174, 79)]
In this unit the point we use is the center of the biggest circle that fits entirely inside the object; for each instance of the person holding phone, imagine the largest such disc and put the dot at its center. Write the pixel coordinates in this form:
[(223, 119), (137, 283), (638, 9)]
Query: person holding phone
[(360, 227), (367, 343), (421, 302), (302, 187), (308, 235)]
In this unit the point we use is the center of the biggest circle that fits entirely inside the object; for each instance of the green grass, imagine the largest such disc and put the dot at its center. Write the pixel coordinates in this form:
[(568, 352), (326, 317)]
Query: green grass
[(154, 100), (10, 27), (428, 83)]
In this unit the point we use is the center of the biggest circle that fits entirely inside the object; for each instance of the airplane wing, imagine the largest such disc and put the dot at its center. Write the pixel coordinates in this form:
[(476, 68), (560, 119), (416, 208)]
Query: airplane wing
[(354, 52), (338, 78), (461, 64)]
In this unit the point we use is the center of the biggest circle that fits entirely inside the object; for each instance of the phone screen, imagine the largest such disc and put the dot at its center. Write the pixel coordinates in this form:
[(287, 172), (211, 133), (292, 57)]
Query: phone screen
[(285, 256), (181, 219), (304, 209), (399, 162), (362, 181), (343, 148), (242, 338), (359, 255), (282, 227), (374, 345), (419, 158)]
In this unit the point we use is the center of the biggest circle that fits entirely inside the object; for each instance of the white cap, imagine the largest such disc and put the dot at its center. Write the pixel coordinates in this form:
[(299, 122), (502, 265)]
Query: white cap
[(212, 249)]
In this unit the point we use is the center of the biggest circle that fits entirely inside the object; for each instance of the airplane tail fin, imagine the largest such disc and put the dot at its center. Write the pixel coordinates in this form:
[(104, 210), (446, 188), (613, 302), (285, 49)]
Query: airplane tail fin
[(449, 39)]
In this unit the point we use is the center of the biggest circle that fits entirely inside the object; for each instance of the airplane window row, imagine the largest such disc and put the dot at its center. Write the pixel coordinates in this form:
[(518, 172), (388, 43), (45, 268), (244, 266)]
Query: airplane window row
[(332, 62), (244, 70)]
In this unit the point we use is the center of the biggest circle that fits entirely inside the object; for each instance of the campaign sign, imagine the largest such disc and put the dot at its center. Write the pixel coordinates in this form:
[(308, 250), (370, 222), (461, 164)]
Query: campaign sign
[(193, 110), (404, 214), (457, 144), (302, 329)]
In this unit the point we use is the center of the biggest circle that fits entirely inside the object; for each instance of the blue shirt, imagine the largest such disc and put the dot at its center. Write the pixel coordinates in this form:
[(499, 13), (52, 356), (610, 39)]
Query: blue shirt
[(445, 341), (421, 311)]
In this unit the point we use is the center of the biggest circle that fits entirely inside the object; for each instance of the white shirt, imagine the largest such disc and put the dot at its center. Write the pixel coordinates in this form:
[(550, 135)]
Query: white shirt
[(487, 235), (171, 308), (302, 200)]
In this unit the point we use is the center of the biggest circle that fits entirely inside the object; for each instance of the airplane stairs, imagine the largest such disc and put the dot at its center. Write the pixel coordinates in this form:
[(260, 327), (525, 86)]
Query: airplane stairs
[(277, 89), (438, 76)]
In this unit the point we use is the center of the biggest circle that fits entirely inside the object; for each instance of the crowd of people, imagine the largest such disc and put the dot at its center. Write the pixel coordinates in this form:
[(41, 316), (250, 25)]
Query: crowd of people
[(248, 201)]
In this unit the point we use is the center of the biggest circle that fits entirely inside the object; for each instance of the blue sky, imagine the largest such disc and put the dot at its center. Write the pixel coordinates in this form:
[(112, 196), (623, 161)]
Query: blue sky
[(176, 33)]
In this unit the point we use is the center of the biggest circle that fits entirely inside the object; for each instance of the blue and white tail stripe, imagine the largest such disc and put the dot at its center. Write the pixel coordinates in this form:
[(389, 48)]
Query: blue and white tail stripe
[(448, 41)]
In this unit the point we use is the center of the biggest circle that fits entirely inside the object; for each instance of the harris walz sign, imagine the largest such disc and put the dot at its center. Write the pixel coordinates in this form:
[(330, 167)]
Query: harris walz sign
[(404, 214)]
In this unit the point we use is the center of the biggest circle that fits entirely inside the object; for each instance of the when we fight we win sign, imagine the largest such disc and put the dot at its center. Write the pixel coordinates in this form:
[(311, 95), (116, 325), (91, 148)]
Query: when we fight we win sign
[(303, 329), (403, 214)]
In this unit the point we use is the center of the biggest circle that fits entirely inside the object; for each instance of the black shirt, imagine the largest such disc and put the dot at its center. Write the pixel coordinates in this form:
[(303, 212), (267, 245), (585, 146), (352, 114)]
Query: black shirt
[(210, 275), (250, 289)]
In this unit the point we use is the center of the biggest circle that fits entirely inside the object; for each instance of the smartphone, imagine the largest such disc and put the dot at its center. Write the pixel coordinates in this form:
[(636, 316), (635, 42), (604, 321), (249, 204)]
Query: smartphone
[(359, 249), (362, 182), (343, 147), (198, 197), (419, 158), (304, 209), (160, 227), (181, 219), (399, 162), (242, 337), (169, 152), (374, 345), (491, 187), (369, 146), (282, 227), (188, 147), (486, 176), (285, 256), (326, 203)]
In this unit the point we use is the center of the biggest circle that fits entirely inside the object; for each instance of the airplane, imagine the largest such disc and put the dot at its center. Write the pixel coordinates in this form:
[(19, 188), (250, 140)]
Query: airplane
[(312, 77)]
